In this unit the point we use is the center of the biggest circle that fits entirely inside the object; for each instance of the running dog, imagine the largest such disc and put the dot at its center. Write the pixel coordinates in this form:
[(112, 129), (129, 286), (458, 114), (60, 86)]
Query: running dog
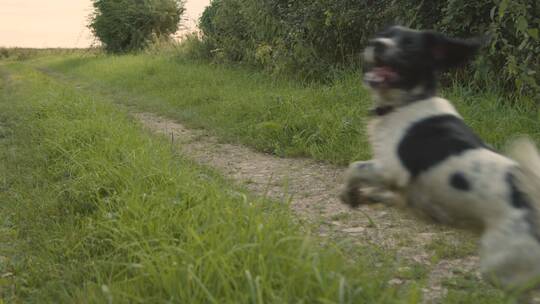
[(424, 151)]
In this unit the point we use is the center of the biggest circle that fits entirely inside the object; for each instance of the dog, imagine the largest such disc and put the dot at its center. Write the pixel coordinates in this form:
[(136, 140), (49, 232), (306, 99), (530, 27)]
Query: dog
[(425, 152)]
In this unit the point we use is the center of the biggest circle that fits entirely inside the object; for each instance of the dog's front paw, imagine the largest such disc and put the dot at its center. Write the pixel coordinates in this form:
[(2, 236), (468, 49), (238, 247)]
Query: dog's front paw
[(355, 197), (351, 197)]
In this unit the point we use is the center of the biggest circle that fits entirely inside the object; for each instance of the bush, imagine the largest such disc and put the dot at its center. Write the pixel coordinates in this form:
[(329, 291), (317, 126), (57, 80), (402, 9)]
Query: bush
[(4, 53), (193, 48), (516, 45), (312, 38), (512, 58), (126, 25)]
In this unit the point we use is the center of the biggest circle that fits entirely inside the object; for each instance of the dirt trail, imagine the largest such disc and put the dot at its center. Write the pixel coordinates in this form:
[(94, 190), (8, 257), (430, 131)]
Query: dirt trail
[(313, 188)]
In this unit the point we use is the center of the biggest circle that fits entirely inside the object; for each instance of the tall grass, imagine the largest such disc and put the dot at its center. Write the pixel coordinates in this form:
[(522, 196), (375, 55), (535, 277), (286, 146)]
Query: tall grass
[(287, 118), (94, 210)]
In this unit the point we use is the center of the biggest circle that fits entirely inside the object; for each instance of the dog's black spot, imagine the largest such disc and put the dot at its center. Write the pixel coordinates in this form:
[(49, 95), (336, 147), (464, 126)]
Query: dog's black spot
[(521, 200), (363, 165), (432, 140), (458, 181), (518, 198)]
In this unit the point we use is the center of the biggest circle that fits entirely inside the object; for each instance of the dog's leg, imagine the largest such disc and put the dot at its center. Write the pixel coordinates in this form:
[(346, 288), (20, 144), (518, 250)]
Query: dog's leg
[(363, 173)]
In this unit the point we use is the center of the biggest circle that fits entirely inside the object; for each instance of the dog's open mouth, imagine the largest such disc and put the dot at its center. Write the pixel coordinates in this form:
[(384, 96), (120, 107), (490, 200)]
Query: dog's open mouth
[(381, 76)]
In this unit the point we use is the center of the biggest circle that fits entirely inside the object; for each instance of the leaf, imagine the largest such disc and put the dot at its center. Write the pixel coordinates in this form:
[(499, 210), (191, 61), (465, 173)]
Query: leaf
[(533, 32), (502, 8), (522, 24), (492, 13)]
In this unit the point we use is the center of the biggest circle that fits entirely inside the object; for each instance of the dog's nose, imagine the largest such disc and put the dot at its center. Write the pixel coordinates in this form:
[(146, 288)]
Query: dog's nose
[(378, 45)]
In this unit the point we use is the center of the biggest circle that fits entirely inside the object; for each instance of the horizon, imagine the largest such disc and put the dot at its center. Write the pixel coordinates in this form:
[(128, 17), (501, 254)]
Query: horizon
[(61, 23)]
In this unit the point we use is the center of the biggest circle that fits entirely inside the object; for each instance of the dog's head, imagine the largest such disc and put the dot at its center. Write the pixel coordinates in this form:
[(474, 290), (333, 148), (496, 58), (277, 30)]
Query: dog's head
[(402, 63)]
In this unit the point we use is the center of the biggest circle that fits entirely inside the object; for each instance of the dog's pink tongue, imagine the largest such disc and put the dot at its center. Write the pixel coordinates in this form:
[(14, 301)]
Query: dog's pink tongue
[(381, 75), (386, 73)]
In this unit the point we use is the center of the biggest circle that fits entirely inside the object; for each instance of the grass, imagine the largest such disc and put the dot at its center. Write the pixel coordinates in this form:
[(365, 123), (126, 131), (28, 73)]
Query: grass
[(446, 249), (238, 105), (325, 122), (465, 289), (95, 210)]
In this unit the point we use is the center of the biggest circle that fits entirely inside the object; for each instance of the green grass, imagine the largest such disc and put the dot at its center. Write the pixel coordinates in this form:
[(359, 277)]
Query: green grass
[(325, 122), (238, 105), (443, 248), (95, 210), (466, 289)]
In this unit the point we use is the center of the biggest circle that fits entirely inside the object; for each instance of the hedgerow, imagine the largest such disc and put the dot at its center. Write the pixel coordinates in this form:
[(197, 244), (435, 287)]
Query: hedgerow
[(312, 38)]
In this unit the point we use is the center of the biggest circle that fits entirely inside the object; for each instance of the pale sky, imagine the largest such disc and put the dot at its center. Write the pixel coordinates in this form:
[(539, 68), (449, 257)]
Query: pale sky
[(59, 23)]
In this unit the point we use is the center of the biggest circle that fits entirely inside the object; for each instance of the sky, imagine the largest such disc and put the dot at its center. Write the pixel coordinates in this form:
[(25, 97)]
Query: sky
[(59, 23)]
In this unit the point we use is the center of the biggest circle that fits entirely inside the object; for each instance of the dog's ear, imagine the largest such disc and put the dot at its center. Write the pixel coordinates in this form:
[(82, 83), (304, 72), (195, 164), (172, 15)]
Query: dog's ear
[(450, 52)]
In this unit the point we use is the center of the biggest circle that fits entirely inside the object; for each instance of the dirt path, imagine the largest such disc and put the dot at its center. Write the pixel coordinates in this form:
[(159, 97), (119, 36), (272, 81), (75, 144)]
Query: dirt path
[(313, 189)]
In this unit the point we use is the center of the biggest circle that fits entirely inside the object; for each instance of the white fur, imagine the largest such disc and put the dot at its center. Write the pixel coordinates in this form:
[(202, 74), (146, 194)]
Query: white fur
[(369, 54), (386, 132), (387, 41), (510, 254)]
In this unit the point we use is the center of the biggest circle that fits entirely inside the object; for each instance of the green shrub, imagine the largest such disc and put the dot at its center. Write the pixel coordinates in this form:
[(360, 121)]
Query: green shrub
[(512, 58), (516, 44), (193, 48), (22, 54), (4, 53), (126, 25), (313, 38)]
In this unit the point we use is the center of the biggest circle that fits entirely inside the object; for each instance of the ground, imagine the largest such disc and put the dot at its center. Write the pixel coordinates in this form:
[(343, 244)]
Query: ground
[(414, 252), (312, 188)]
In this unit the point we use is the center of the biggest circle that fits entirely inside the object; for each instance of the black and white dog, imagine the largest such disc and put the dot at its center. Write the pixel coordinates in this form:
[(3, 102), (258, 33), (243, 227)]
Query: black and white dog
[(424, 151)]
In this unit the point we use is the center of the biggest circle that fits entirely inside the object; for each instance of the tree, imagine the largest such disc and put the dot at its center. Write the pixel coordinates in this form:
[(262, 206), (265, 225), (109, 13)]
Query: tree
[(127, 25)]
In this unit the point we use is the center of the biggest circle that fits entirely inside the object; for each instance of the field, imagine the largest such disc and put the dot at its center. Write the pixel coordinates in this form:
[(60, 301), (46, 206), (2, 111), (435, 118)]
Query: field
[(97, 208)]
